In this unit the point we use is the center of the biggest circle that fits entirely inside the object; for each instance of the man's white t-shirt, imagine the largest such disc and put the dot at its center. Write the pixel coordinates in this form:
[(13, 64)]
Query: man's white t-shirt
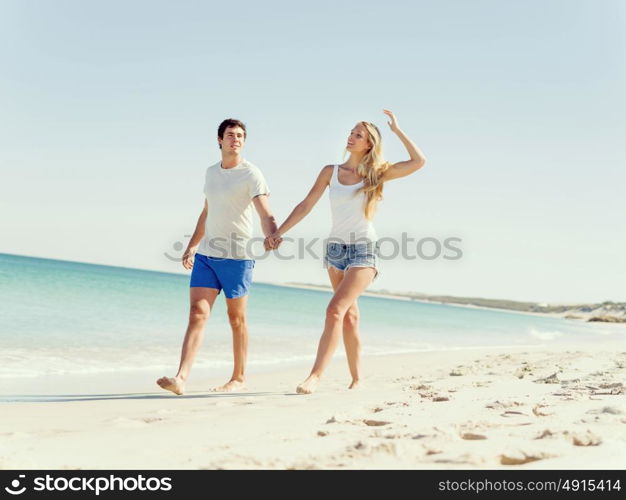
[(229, 193)]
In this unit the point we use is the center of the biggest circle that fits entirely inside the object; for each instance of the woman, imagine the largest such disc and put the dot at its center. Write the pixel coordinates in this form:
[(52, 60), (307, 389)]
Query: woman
[(355, 188)]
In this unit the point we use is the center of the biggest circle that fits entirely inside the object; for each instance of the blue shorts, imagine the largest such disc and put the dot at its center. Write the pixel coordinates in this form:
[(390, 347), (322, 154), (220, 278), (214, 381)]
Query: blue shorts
[(344, 256), (234, 276)]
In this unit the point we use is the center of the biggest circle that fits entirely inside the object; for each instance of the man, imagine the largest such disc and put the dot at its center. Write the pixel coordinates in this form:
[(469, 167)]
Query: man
[(218, 255)]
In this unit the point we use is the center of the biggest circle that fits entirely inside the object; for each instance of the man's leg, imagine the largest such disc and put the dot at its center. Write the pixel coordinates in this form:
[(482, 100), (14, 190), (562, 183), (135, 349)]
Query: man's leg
[(237, 318), (201, 303)]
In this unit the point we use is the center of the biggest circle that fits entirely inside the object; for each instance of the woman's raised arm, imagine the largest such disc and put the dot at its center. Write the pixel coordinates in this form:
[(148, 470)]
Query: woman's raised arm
[(403, 168)]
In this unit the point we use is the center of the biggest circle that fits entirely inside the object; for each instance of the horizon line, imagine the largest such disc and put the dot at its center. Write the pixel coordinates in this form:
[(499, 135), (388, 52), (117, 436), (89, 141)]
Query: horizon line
[(291, 284)]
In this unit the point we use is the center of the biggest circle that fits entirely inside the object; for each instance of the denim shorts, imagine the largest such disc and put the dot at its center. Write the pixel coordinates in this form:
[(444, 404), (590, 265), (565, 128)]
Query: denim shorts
[(344, 256)]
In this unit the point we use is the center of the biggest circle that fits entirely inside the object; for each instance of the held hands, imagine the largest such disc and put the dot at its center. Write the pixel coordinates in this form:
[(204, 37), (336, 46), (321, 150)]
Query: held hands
[(273, 241), (393, 124)]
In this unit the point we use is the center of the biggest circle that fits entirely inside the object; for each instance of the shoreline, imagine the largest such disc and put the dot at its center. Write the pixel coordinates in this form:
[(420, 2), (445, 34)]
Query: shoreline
[(13, 389), (584, 317), (391, 296)]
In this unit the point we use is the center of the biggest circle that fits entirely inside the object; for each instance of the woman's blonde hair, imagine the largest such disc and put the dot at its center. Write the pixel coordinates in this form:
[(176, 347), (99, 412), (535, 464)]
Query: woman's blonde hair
[(371, 169)]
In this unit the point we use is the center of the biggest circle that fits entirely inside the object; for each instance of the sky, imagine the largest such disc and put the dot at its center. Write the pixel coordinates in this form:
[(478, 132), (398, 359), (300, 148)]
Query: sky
[(110, 112)]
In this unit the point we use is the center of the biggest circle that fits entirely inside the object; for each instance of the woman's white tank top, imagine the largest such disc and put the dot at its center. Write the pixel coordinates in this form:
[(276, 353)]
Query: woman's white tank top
[(347, 208)]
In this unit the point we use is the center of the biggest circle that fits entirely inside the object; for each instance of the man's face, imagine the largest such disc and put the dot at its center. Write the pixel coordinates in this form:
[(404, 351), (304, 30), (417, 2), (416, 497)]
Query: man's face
[(233, 141)]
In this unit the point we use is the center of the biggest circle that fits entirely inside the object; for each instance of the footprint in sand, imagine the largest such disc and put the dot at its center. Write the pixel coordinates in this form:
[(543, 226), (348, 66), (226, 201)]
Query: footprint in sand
[(365, 449), (513, 413), (568, 396), (338, 419), (465, 458), (375, 423), (611, 410), (459, 371), (409, 435), (420, 387), (550, 379), (151, 420), (482, 383), (547, 433), (538, 411), (586, 439), (472, 436), (610, 389), (572, 383), (432, 451), (498, 405), (523, 371), (521, 457), (396, 403), (426, 394)]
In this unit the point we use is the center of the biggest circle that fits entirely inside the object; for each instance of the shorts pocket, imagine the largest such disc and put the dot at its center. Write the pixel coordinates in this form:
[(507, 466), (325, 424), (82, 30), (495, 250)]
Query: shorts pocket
[(335, 251)]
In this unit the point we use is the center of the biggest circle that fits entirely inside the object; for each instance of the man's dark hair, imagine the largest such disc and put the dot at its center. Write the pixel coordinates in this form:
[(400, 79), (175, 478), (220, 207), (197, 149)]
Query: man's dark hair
[(230, 122)]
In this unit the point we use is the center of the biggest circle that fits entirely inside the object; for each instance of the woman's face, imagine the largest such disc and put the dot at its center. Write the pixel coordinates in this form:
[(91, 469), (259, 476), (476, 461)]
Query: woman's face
[(358, 140)]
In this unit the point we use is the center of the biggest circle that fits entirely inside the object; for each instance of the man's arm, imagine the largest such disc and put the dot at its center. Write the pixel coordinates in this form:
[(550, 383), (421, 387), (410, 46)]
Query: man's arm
[(268, 222), (196, 238)]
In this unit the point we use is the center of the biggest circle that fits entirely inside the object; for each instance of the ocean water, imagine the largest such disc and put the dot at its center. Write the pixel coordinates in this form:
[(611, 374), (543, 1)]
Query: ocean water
[(61, 317)]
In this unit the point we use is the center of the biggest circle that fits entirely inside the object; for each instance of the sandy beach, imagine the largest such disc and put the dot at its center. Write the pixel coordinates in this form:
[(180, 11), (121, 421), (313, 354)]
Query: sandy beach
[(468, 409)]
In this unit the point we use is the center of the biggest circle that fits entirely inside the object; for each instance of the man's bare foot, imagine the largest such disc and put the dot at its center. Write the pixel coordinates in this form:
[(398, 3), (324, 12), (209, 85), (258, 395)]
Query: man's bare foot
[(355, 384), (309, 385), (231, 386), (172, 384)]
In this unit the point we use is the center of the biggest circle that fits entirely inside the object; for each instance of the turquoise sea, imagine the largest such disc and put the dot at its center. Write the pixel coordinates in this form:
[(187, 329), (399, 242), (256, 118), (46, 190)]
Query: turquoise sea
[(60, 317)]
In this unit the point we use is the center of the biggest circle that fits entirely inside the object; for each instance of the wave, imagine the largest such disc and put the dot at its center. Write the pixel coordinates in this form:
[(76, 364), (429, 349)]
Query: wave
[(545, 334)]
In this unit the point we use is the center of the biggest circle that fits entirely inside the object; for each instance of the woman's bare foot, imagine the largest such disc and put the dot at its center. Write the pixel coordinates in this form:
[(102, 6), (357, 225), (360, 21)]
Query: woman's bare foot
[(231, 386), (309, 385), (355, 384), (173, 384)]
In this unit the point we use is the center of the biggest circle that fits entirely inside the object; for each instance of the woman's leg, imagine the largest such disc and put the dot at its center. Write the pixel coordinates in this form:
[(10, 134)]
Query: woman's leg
[(351, 337), (355, 281), (201, 302), (352, 343)]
